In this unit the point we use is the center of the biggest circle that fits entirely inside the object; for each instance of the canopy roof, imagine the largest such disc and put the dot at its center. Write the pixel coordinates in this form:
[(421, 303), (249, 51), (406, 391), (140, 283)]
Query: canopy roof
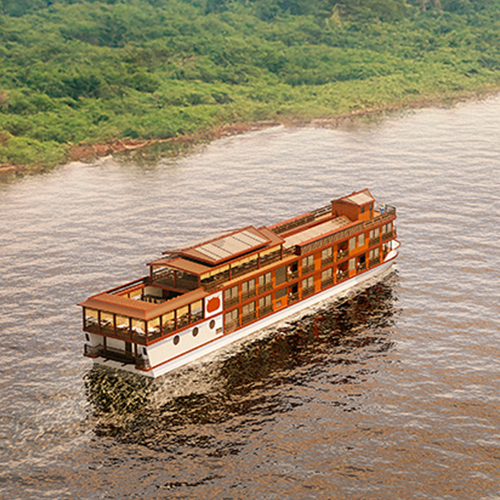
[(359, 198), (227, 246)]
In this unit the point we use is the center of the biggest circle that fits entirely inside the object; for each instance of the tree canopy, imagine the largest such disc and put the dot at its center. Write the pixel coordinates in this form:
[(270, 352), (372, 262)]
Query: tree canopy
[(92, 71)]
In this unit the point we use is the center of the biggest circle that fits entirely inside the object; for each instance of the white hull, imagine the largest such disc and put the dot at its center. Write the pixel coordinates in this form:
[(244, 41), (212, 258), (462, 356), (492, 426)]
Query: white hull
[(162, 365)]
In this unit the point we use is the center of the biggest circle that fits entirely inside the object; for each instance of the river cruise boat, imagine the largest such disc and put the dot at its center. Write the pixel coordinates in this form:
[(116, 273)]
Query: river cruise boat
[(200, 298)]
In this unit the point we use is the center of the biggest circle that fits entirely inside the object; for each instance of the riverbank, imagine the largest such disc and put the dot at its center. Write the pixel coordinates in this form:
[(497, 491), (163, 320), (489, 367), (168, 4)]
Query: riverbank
[(85, 79), (155, 148)]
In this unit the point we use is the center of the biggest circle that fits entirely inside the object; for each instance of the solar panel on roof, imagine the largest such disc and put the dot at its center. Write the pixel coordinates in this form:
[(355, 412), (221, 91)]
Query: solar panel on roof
[(214, 252), (228, 246), (248, 238)]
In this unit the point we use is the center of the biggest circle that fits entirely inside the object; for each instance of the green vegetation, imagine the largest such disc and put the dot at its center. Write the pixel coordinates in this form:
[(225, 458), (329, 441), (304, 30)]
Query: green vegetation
[(95, 71)]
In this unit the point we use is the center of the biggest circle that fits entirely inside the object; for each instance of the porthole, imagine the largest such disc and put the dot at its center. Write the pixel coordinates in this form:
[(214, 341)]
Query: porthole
[(177, 339), (196, 330), (87, 337), (144, 351), (212, 324)]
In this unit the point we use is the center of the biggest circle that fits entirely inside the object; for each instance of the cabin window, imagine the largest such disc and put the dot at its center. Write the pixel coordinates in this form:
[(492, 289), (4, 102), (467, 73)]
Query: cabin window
[(265, 282), (326, 256), (327, 278), (374, 233), (248, 313), (247, 289), (361, 239), (374, 253), (352, 264), (182, 316), (231, 296), (138, 327), (363, 209), (231, 320), (307, 264), (91, 319), (122, 325), (280, 275), (307, 286), (327, 274), (352, 244), (280, 293), (265, 305), (168, 322), (196, 311), (154, 327), (107, 322)]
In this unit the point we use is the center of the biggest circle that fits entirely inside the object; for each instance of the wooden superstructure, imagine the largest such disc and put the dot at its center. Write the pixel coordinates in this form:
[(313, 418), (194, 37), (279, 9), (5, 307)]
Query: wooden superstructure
[(198, 298)]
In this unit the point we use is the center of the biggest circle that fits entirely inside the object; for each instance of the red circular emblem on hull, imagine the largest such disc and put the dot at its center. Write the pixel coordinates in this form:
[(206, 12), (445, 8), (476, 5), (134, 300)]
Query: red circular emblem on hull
[(213, 304)]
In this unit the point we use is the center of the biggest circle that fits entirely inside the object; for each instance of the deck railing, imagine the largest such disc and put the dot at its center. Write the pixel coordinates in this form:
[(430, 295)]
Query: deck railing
[(342, 254), (342, 275), (327, 260), (244, 268), (248, 317), (293, 297), (231, 325), (307, 291), (232, 301), (307, 269), (265, 310), (270, 258), (116, 355), (265, 287), (248, 294), (327, 282), (388, 235), (300, 221)]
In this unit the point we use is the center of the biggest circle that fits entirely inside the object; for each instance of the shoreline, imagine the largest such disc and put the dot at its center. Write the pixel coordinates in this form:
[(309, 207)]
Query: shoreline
[(89, 152)]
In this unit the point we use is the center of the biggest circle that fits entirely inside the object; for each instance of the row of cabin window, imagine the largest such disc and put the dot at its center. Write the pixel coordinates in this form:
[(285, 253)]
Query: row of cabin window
[(169, 322), (265, 280), (248, 311)]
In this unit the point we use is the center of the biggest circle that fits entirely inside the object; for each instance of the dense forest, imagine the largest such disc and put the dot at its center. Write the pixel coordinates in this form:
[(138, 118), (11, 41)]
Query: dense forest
[(82, 72)]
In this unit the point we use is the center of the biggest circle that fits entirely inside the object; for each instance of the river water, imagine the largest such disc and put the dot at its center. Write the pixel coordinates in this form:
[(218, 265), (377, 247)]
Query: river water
[(390, 393)]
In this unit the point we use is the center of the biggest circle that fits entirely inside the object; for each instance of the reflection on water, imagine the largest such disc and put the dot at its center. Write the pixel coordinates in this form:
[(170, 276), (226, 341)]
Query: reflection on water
[(257, 380)]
